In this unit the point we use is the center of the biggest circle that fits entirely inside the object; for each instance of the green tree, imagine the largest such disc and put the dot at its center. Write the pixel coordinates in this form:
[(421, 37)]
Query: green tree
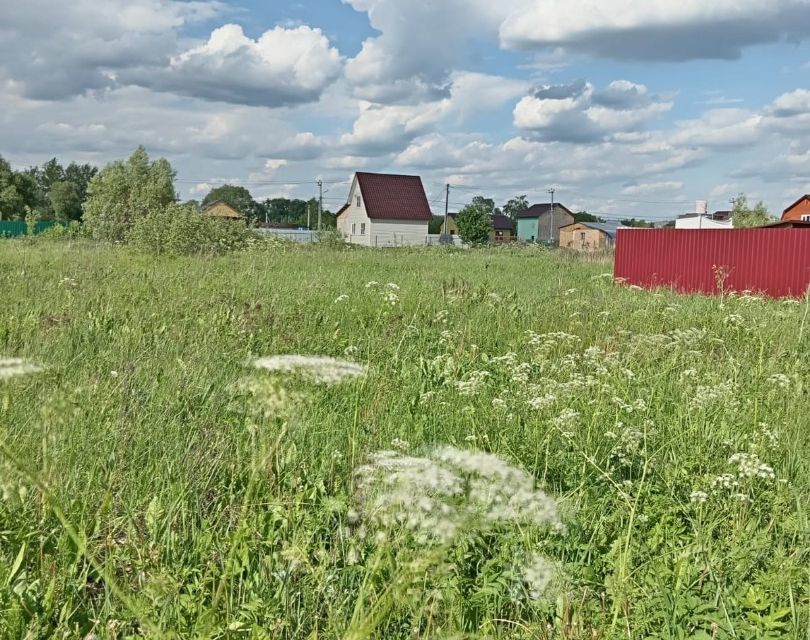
[(436, 225), (743, 215), (236, 197), (18, 193), (123, 192), (515, 206), (475, 221), (632, 222), (584, 216), (51, 174), (65, 201)]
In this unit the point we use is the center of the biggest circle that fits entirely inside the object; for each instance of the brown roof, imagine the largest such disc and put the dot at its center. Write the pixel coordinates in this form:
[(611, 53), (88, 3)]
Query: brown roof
[(537, 210), (788, 224), (501, 222), (806, 196), (393, 197), (232, 213)]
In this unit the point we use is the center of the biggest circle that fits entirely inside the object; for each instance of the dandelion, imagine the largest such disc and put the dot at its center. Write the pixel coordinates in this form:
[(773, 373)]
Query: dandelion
[(317, 369), (698, 497), (13, 367)]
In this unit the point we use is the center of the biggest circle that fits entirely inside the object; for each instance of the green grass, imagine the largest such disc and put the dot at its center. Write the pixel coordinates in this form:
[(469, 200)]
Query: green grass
[(142, 494)]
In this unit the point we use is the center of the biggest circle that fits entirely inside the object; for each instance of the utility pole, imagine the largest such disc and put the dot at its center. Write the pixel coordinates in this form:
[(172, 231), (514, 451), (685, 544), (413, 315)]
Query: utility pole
[(309, 215), (320, 202), (551, 224), (446, 208)]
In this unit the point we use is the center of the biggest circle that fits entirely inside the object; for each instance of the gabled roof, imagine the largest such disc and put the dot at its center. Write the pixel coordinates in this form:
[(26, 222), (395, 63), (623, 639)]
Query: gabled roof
[(806, 196), (537, 210), (501, 222), (608, 228), (221, 203), (342, 210), (394, 197)]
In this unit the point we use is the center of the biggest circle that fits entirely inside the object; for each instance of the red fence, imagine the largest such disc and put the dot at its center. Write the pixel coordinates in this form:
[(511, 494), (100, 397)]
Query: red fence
[(775, 262)]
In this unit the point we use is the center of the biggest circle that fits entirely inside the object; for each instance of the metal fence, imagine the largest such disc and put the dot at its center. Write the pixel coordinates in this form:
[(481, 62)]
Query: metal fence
[(774, 262), (15, 228), (302, 236)]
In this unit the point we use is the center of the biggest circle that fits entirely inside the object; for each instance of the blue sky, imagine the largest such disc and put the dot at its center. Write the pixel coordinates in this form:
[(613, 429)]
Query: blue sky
[(625, 108)]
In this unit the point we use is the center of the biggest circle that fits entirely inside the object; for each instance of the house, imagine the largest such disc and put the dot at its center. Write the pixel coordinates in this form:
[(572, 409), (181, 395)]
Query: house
[(788, 224), (716, 220), (222, 210), (799, 211), (451, 225), (385, 210), (589, 236), (502, 229), (542, 222)]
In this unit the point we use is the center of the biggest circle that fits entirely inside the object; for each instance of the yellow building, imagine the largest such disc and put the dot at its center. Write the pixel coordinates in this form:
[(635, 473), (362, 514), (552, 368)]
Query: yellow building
[(223, 210), (588, 236)]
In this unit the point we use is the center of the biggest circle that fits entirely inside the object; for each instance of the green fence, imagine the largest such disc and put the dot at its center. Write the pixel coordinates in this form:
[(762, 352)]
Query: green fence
[(13, 228)]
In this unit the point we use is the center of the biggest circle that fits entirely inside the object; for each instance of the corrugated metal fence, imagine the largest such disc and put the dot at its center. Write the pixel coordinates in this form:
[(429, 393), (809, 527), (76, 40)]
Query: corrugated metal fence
[(14, 228), (775, 262)]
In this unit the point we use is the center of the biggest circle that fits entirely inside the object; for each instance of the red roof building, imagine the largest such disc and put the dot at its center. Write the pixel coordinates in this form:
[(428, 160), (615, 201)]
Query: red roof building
[(799, 211)]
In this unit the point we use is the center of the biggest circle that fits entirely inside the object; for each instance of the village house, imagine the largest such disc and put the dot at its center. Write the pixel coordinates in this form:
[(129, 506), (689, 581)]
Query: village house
[(541, 222), (385, 210), (589, 236), (799, 211), (221, 210), (502, 229)]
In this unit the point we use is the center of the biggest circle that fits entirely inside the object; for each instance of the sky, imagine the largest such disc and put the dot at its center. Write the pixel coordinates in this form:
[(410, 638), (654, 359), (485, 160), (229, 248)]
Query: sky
[(625, 108)]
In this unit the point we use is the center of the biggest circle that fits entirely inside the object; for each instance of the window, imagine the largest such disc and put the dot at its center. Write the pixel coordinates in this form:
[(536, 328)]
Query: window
[(582, 236), (358, 201), (362, 228), (806, 218), (354, 228)]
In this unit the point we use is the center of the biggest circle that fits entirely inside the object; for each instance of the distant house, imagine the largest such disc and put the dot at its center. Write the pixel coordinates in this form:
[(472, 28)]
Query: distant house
[(452, 224), (541, 223), (716, 220), (385, 210), (502, 229), (223, 210), (589, 236), (799, 211)]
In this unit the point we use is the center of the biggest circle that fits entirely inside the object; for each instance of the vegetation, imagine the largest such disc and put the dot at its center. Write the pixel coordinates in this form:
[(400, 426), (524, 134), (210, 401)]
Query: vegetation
[(584, 216), (475, 221), (515, 206), (156, 484), (633, 222), (238, 198), (743, 215)]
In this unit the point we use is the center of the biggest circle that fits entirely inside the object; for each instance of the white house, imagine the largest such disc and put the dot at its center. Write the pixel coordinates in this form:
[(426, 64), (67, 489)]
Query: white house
[(702, 219), (385, 211)]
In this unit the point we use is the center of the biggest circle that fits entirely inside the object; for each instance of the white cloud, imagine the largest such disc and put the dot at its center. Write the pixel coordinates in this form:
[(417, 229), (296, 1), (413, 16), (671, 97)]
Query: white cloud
[(647, 188)]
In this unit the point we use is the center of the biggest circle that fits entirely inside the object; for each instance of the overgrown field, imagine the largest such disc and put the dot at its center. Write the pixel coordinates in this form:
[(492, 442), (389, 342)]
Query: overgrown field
[(156, 484)]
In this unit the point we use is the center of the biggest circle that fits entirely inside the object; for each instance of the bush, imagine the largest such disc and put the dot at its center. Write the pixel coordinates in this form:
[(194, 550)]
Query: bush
[(181, 230)]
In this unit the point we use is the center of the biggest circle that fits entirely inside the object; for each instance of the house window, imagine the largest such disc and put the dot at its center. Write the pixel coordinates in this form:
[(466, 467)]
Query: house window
[(806, 217), (362, 228), (582, 236), (358, 201), (354, 228)]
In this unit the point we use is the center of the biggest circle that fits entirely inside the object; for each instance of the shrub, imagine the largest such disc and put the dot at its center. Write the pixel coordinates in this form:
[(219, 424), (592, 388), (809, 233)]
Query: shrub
[(182, 230)]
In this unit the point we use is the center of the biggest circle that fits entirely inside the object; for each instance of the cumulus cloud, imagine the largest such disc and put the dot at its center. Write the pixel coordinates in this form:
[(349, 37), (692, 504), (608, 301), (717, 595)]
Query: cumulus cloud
[(655, 29), (577, 112), (654, 188), (281, 68)]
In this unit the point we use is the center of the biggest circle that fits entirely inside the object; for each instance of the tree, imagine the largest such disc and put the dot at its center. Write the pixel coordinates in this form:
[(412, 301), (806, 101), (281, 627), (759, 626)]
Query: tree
[(632, 222), (236, 197), (51, 174), (475, 221), (515, 206), (18, 193), (123, 192), (584, 216), (436, 225), (744, 215), (65, 201)]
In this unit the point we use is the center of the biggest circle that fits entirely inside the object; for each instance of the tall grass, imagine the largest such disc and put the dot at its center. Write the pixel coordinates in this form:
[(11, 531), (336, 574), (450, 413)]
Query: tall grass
[(153, 483)]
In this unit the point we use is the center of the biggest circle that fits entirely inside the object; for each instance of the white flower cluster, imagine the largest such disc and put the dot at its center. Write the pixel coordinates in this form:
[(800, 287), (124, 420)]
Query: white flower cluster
[(13, 367), (390, 298), (705, 396), (698, 497), (779, 380), (750, 466), (341, 298), (446, 493), (537, 575), (627, 448), (441, 316), (473, 384), (317, 369), (542, 402)]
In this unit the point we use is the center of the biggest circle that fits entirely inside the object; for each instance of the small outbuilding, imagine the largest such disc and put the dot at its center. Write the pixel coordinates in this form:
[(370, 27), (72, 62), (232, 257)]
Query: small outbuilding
[(220, 209), (589, 236)]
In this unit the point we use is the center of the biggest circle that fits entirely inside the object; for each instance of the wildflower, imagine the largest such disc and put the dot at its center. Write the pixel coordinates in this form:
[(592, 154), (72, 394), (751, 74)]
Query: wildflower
[(350, 351), (499, 404), (393, 286), (698, 497), (389, 297), (341, 298), (441, 316), (750, 466), (472, 385), (779, 380), (12, 367), (398, 443), (725, 481), (537, 575), (317, 369), (371, 284), (542, 402), (113, 374)]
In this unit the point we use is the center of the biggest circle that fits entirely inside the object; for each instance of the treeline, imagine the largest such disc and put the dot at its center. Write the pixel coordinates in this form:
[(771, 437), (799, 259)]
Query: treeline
[(58, 193)]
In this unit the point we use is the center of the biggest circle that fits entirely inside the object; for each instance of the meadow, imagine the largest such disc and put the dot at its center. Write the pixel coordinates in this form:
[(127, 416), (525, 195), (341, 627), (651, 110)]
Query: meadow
[(155, 483)]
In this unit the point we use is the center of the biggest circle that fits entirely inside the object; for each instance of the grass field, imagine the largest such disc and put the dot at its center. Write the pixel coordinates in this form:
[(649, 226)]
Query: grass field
[(155, 484)]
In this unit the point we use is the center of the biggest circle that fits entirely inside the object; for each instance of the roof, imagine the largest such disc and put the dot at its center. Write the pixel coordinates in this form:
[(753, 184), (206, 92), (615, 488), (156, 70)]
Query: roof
[(394, 197), (342, 209), (806, 196), (787, 224), (501, 222), (717, 215), (608, 228), (537, 210), (222, 203)]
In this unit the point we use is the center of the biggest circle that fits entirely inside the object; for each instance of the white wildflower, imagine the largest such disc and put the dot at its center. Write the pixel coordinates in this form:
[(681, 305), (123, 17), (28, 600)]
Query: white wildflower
[(542, 402), (350, 351), (341, 298), (499, 404), (779, 380), (13, 367), (400, 444), (537, 575), (371, 284), (393, 286), (317, 369), (698, 497), (391, 298), (750, 466), (473, 384), (441, 316)]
